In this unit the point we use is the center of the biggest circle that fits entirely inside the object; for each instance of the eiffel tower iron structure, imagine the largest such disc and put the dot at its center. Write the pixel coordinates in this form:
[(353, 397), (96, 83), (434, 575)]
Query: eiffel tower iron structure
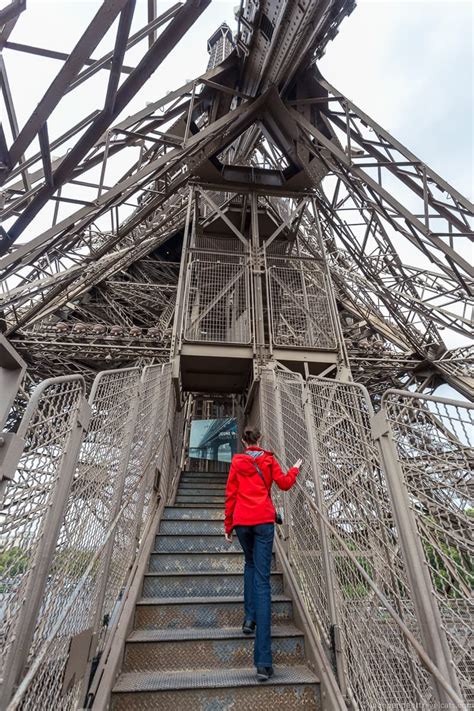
[(253, 244), (260, 134)]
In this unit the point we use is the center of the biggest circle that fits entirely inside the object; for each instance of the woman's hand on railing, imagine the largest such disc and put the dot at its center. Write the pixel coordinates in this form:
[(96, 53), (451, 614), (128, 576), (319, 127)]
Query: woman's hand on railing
[(298, 463)]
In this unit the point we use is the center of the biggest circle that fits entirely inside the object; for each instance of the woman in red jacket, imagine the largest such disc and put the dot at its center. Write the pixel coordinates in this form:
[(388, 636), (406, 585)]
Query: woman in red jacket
[(250, 511)]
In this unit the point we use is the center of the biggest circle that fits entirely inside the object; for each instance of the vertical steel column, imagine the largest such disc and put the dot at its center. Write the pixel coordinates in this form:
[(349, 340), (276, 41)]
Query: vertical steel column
[(326, 557), (257, 277), (426, 608), (305, 293), (190, 114), (344, 369), (51, 525), (177, 335), (188, 411), (270, 315)]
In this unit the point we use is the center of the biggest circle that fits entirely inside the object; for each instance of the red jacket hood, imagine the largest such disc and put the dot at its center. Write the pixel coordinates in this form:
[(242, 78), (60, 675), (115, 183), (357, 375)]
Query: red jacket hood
[(244, 463)]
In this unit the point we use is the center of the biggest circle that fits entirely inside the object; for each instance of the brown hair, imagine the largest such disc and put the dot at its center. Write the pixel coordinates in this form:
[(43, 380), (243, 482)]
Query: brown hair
[(251, 435)]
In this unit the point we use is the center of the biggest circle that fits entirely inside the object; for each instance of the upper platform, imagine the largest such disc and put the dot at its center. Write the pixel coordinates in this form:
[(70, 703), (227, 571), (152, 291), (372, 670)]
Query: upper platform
[(250, 292)]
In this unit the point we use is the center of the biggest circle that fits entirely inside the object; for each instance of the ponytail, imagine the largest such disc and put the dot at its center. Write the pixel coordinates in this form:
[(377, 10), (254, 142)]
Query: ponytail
[(251, 435)]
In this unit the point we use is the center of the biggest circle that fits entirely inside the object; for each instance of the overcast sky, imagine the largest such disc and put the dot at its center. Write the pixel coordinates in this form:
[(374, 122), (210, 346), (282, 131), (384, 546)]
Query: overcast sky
[(407, 63)]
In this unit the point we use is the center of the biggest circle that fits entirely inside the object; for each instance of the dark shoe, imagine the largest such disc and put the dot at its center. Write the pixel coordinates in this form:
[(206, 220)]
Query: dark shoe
[(264, 673), (248, 627)]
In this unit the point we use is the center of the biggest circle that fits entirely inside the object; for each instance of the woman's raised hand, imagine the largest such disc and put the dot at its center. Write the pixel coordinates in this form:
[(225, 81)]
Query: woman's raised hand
[(298, 464)]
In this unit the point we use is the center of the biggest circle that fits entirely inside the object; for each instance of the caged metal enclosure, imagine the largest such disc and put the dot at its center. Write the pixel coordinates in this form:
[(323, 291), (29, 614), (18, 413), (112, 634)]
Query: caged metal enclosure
[(250, 248)]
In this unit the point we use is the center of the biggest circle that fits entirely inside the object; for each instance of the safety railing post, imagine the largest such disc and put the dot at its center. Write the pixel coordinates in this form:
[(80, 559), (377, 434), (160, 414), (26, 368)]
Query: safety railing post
[(426, 609), (166, 452), (187, 430), (326, 555), (17, 658)]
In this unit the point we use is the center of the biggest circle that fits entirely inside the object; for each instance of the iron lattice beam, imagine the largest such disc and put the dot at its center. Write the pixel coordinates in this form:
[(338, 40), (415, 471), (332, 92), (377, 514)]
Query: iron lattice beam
[(305, 126)]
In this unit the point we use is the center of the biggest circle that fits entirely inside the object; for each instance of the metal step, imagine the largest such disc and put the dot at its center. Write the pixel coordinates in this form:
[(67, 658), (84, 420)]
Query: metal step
[(196, 491), (193, 513), (199, 498), (197, 481), (200, 486), (203, 479), (201, 584), (223, 689), (230, 561), (208, 612), (190, 543), (196, 526), (196, 505), (205, 475), (173, 650), (196, 473)]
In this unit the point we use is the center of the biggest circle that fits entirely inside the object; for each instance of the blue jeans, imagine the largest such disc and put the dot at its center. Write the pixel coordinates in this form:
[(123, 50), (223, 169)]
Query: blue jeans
[(257, 544)]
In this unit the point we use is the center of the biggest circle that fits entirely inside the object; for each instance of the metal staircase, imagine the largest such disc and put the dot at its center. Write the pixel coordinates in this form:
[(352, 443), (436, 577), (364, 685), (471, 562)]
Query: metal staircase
[(187, 647)]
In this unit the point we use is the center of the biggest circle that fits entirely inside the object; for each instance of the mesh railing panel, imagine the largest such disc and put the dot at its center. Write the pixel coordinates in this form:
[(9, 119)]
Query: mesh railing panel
[(284, 430), (343, 543), (300, 306), (434, 440), (101, 484), (150, 424), (379, 662), (217, 308), (149, 416), (93, 502), (45, 686), (46, 428), (104, 506)]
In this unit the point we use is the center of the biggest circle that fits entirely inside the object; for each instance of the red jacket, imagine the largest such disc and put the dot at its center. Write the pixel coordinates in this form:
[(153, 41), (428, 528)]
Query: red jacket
[(246, 497)]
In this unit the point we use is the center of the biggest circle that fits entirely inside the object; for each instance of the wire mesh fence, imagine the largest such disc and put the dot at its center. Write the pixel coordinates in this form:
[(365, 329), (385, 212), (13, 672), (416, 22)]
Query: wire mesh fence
[(46, 428), (75, 508), (379, 662), (434, 440), (300, 305), (146, 441), (102, 481), (349, 559), (217, 302), (72, 519), (284, 430)]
